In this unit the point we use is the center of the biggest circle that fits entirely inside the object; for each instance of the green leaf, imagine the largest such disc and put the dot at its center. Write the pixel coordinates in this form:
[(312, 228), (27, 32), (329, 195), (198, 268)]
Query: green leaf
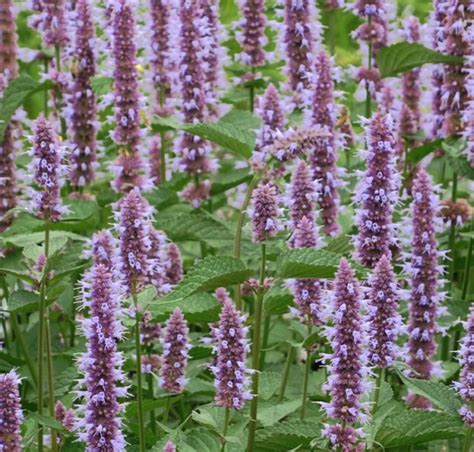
[(102, 85), (34, 238), (150, 404), (270, 412), (383, 411), (242, 118), (49, 422), (405, 56), (439, 394), (408, 427), (307, 263), (288, 435), (22, 301), (209, 274), (269, 384), (277, 301), (224, 181), (417, 154)]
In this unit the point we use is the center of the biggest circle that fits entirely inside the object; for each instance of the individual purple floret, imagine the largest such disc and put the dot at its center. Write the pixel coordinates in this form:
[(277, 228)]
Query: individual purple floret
[(175, 353), (457, 42), (134, 234), (299, 38), (252, 32), (127, 133), (347, 363), (192, 152), (410, 115), (169, 447), (424, 272), (8, 71), (465, 385), (52, 23), (231, 348), (11, 415), (323, 155), (47, 170), (264, 212), (82, 99), (377, 193), (383, 318), (101, 364)]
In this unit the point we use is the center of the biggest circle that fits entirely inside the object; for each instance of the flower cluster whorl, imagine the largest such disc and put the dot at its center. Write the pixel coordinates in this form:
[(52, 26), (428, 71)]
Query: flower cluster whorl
[(52, 23), (231, 350), (264, 212), (377, 193), (11, 415)]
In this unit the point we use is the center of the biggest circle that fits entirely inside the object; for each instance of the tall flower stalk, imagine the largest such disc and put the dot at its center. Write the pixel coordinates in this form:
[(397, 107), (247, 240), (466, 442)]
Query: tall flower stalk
[(11, 414)]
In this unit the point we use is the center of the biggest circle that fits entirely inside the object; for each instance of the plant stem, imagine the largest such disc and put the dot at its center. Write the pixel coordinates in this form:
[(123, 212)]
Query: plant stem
[(467, 266), (251, 98), (286, 373), (46, 92), (162, 142), (167, 410), (468, 440), (306, 377), (256, 353), (332, 31), (368, 98), (151, 396), (238, 234), (138, 352), (266, 331), (57, 55), (378, 387), (49, 360), (41, 334), (226, 426)]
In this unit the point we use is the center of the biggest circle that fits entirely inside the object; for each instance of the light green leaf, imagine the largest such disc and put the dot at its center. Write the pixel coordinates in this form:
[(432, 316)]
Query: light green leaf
[(307, 263), (404, 56), (49, 422), (269, 384), (34, 238), (270, 412), (22, 301), (417, 154), (242, 118), (102, 85)]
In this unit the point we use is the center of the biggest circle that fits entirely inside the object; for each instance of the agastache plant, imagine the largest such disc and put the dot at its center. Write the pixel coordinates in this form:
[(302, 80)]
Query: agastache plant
[(377, 194), (101, 426), (53, 24), (175, 353), (465, 385), (8, 71), (425, 273), (82, 100), (264, 212), (323, 154), (468, 113), (11, 415), (129, 166), (347, 363)]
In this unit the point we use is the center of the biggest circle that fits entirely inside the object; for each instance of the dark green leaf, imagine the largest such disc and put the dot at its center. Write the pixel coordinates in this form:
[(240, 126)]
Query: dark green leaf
[(22, 301), (417, 154), (307, 263), (49, 422)]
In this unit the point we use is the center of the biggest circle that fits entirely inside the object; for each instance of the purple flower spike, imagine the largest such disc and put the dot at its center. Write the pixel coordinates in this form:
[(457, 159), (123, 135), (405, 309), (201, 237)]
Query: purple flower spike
[(101, 364), (127, 133), (82, 100), (346, 366), (8, 71), (174, 271), (252, 35), (307, 296), (47, 169), (424, 272), (377, 194), (299, 39), (159, 263), (468, 113), (10, 412), (135, 243), (465, 386), (458, 42), (66, 417), (169, 447), (231, 348), (323, 155), (410, 115), (103, 249), (150, 331), (175, 353), (52, 23), (264, 212), (383, 318)]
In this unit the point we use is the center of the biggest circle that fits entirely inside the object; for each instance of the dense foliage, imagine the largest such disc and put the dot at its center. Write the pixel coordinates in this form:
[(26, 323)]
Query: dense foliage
[(229, 227)]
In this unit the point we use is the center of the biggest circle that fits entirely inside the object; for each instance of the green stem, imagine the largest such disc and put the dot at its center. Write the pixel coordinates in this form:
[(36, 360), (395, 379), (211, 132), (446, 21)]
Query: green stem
[(286, 373), (256, 353), (368, 98), (57, 55), (467, 266), (468, 440), (266, 331), (151, 396), (332, 31), (167, 411), (378, 387), (138, 352), (238, 234), (46, 92), (41, 334), (49, 360), (162, 96), (252, 98), (306, 378), (21, 341), (226, 427)]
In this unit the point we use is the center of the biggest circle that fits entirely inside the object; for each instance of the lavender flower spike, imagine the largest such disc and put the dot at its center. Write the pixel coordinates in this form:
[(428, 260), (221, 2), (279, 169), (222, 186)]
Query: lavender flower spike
[(169, 447), (383, 318), (231, 348), (82, 99), (323, 155), (264, 212), (377, 193), (8, 71), (127, 133), (465, 386), (347, 363), (175, 353), (53, 24), (252, 35), (47, 169), (101, 364), (10, 412), (174, 270), (102, 249), (424, 272), (134, 229)]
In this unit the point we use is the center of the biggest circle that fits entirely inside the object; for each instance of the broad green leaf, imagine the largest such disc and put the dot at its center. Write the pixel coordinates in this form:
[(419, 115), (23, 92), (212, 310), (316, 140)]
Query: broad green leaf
[(23, 275), (417, 154), (224, 181), (25, 240), (270, 412), (456, 156), (307, 263), (389, 408), (288, 435), (269, 382), (242, 118), (408, 427), (277, 301), (22, 301), (404, 56), (150, 404), (102, 85), (49, 422), (209, 274), (439, 394)]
